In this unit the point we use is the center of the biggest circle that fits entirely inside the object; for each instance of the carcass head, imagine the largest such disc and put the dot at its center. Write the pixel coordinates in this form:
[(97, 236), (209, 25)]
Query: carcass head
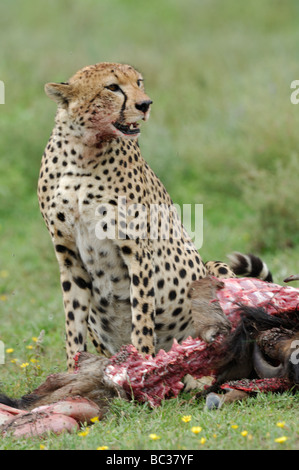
[(263, 346), (276, 354)]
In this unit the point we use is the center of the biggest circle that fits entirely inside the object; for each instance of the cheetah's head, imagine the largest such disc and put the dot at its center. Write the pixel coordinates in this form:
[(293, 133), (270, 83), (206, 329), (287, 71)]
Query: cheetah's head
[(102, 102)]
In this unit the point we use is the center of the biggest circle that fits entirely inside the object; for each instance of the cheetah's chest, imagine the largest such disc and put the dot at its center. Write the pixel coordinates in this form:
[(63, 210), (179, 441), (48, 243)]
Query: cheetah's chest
[(99, 254), (81, 223), (110, 309)]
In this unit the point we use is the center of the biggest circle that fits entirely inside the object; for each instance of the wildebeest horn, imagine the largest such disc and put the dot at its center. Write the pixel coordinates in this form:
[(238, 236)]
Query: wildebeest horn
[(293, 277), (263, 369)]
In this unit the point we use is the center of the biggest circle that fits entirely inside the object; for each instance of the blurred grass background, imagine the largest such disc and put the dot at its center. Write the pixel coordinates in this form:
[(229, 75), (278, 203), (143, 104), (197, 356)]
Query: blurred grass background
[(223, 132)]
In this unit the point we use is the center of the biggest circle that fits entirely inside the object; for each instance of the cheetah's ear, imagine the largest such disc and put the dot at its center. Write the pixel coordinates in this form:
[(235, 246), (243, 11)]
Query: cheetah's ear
[(59, 92)]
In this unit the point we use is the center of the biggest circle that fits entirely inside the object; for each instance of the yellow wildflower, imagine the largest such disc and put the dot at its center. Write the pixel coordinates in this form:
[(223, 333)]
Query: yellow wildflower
[(25, 364), (203, 440), (34, 338), (95, 419), (103, 448), (9, 350), (234, 426), (244, 433), (196, 429), (154, 437), (186, 418), (3, 274), (281, 424), (281, 439), (3, 297), (42, 447), (84, 433), (29, 346)]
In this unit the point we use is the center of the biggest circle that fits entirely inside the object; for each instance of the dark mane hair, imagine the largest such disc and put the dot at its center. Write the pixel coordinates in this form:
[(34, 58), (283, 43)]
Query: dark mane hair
[(237, 362)]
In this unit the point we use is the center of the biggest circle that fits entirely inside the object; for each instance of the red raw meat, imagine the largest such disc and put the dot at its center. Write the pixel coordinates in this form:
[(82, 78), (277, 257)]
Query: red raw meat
[(152, 379), (275, 299), (258, 385)]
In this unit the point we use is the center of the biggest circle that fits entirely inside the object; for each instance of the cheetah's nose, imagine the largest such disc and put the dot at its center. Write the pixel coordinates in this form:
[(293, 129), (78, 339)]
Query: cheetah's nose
[(143, 105)]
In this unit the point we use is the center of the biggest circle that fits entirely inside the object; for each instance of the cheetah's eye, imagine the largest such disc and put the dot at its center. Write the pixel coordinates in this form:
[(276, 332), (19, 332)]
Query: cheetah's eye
[(139, 82), (113, 87)]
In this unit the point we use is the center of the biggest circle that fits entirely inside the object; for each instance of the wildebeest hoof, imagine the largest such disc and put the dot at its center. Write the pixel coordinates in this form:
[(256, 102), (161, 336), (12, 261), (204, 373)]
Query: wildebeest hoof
[(213, 401)]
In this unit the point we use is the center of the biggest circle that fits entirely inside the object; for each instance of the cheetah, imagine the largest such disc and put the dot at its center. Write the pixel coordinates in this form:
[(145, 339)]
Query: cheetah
[(126, 261)]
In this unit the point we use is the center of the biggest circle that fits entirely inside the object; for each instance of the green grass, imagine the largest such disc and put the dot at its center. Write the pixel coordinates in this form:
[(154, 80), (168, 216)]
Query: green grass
[(129, 426), (222, 132)]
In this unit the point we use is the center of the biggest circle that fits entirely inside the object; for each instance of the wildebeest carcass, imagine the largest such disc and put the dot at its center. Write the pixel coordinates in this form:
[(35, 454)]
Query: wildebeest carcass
[(261, 348)]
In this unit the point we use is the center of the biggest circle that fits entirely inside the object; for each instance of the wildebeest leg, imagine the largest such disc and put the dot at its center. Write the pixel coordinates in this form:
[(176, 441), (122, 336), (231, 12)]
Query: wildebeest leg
[(215, 400)]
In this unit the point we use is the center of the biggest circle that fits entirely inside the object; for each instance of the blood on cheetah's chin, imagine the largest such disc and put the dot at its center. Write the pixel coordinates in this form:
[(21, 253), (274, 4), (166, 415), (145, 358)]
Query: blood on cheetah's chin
[(131, 129)]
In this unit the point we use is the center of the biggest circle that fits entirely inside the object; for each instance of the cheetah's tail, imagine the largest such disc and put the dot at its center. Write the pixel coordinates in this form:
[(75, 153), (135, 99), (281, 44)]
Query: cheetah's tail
[(249, 266)]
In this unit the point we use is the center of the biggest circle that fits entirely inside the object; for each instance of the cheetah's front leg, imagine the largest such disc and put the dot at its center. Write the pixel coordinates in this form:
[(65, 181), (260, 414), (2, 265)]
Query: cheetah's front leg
[(142, 297), (76, 288)]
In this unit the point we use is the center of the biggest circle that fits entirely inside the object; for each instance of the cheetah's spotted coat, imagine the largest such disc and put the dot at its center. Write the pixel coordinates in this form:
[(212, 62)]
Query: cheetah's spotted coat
[(127, 289)]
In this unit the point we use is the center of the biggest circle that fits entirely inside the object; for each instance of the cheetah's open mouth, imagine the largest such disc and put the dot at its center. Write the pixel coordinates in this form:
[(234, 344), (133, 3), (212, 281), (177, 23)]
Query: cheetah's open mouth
[(127, 129)]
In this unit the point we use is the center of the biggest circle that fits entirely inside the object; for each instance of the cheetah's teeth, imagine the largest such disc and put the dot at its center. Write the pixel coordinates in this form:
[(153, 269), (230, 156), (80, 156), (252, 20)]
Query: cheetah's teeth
[(127, 129)]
